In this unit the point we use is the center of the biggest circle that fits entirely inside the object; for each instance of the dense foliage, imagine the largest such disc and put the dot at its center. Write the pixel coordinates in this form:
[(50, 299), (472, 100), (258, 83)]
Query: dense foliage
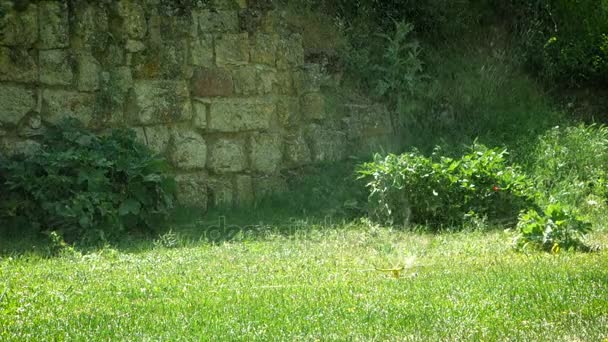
[(439, 190), (436, 19), (560, 197), (84, 186), (560, 40), (563, 40)]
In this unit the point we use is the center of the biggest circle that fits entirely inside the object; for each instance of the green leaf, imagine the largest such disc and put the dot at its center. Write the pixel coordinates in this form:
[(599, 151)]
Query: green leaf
[(130, 206)]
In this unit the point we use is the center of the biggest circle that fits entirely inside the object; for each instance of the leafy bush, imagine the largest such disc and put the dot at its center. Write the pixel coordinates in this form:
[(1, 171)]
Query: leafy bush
[(569, 163), (555, 228), (85, 186), (443, 191)]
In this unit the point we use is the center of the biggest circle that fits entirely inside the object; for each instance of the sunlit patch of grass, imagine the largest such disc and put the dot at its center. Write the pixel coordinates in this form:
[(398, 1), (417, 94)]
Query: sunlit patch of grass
[(316, 282)]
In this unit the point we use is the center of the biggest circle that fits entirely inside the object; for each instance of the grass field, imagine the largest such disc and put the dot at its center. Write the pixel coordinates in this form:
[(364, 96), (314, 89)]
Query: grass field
[(314, 282)]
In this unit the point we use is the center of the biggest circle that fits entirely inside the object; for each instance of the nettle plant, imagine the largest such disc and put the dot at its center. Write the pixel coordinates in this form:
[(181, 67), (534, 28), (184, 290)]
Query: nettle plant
[(442, 191), (85, 186)]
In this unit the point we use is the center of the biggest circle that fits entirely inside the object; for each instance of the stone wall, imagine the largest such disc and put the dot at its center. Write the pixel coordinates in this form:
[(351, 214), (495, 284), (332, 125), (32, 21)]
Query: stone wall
[(219, 87)]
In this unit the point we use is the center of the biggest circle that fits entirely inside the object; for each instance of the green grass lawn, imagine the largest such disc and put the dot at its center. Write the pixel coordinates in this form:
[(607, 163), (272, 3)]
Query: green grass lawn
[(315, 283)]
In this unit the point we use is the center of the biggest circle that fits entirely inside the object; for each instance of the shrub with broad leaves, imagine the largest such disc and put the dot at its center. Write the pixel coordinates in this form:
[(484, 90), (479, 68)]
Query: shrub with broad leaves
[(439, 190), (85, 186), (553, 229)]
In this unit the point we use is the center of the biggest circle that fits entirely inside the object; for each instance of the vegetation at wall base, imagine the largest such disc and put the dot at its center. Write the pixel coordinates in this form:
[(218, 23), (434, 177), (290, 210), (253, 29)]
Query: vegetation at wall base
[(443, 191), (85, 186)]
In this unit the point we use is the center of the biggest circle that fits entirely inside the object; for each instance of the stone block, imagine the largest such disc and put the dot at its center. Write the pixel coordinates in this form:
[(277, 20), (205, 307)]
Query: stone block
[(237, 115), (89, 27), (169, 61), (120, 79), (290, 52), (88, 72), (12, 146), (313, 106), (264, 49), (308, 79), (157, 138), (200, 115), (140, 135), (364, 121), (245, 80), (269, 185), (210, 82), (56, 67), (222, 21), (112, 95), (368, 128), (19, 28), (192, 190), (15, 103), (154, 102), (297, 152), (59, 104), (114, 55), (285, 83), (266, 152), (267, 81), (133, 18), (232, 49), (254, 80), (228, 4), (31, 126), (155, 28), (133, 46), (273, 21), (227, 155), (243, 185), (326, 144), (288, 111), (221, 191), (190, 149), (201, 50), (172, 27), (53, 25), (18, 65)]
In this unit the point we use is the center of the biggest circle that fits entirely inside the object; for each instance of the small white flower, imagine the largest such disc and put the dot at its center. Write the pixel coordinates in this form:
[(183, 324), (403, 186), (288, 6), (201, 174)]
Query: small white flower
[(592, 202)]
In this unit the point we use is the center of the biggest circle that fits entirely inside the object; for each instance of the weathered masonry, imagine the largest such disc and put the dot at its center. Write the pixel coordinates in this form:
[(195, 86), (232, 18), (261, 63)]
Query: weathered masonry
[(219, 87)]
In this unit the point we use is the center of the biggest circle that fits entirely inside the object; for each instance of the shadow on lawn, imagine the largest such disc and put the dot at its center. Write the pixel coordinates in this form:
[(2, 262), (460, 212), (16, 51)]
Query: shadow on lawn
[(192, 226), (321, 197)]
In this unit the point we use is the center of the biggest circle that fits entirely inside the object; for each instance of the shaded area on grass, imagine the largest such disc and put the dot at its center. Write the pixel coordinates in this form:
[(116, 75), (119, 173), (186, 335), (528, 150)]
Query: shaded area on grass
[(320, 195)]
